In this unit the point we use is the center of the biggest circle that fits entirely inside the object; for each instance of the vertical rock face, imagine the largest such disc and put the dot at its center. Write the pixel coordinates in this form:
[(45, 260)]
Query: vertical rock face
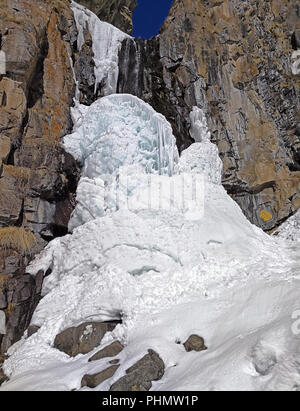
[(233, 59), (116, 12), (37, 178)]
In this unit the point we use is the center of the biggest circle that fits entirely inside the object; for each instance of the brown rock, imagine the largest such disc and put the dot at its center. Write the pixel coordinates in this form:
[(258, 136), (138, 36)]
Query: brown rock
[(12, 188), (82, 339), (116, 12), (139, 377), (110, 350), (194, 343), (32, 329), (23, 292), (233, 60), (93, 381)]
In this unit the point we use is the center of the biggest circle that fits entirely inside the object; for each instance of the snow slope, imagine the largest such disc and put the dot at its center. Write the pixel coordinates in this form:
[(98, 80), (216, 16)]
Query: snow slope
[(165, 274)]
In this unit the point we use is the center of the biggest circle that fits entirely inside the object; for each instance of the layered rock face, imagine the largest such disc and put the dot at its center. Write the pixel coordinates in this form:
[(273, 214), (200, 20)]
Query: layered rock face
[(234, 59), (37, 177), (116, 12), (231, 58)]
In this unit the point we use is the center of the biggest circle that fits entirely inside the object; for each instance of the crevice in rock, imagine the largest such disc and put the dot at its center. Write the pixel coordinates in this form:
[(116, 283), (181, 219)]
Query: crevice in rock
[(17, 144), (20, 220), (294, 41), (36, 87), (4, 99)]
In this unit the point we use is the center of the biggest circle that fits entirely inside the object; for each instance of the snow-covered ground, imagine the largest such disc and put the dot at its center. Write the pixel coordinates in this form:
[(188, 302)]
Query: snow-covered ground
[(157, 241)]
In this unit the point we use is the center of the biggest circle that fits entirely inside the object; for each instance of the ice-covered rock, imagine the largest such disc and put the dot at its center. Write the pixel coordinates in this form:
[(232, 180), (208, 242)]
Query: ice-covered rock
[(106, 40), (120, 130)]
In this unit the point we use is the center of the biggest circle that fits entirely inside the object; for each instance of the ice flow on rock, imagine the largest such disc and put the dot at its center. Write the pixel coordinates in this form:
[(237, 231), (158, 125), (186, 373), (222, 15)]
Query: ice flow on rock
[(107, 41)]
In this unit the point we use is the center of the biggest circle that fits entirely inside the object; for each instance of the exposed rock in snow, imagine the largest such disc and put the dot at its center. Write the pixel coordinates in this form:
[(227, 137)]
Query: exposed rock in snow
[(82, 339), (140, 376), (92, 381), (194, 343), (110, 350)]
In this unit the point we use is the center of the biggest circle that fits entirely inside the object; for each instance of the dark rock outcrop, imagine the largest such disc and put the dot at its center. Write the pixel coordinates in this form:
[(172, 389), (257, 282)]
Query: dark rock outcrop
[(92, 381), (140, 376), (110, 350), (82, 339), (116, 12), (142, 73), (21, 294)]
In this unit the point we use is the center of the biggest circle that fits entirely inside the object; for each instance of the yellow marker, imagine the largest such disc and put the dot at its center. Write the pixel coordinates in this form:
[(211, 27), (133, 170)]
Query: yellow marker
[(265, 215)]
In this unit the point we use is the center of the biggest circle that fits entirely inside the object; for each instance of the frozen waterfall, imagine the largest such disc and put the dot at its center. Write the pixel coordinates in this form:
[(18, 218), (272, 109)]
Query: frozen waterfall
[(120, 130), (106, 40)]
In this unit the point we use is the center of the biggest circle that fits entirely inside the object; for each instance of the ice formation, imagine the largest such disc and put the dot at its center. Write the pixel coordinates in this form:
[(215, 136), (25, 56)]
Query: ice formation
[(121, 130), (2, 322), (106, 40), (157, 241)]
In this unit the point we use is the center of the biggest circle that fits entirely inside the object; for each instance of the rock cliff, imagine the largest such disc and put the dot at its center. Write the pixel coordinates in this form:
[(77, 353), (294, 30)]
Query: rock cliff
[(231, 58), (116, 12), (37, 178)]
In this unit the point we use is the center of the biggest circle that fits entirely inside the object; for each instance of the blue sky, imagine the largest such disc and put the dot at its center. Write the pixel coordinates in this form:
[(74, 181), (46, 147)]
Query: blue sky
[(149, 17)]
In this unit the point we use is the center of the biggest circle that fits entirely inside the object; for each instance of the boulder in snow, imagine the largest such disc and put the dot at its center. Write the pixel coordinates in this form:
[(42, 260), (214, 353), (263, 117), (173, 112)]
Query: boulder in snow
[(139, 377), (92, 381), (82, 339), (195, 343), (110, 350)]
